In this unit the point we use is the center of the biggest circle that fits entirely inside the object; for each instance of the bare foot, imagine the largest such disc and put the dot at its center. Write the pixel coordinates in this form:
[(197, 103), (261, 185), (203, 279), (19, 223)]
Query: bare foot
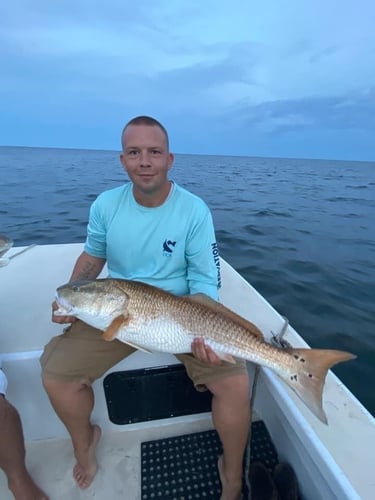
[(229, 490), (85, 469), (26, 489)]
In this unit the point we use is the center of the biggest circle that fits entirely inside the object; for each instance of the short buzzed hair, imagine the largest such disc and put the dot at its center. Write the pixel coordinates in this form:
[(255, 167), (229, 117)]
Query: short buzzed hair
[(145, 120)]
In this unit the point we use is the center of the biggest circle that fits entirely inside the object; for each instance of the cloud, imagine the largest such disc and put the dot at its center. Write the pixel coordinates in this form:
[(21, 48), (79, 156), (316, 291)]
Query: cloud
[(355, 110), (318, 56)]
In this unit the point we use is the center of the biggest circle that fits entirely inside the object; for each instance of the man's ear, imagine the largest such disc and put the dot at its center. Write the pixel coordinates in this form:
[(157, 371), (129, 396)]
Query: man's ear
[(170, 160)]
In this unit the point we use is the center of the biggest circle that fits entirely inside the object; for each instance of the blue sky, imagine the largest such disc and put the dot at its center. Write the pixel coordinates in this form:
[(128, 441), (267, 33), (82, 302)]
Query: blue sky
[(289, 78)]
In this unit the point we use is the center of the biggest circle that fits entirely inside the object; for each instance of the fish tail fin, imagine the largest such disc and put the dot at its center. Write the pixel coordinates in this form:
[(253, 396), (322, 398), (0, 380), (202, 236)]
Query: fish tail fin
[(309, 377)]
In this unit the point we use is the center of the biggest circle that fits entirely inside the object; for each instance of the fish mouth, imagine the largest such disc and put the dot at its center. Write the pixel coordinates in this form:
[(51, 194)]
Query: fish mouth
[(64, 307)]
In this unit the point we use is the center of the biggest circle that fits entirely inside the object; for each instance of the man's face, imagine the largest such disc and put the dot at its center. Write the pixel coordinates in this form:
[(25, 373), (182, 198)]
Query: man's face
[(146, 158)]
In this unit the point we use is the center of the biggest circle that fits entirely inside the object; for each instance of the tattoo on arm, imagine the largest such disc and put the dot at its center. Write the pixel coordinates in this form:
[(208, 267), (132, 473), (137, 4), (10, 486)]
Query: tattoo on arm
[(87, 269)]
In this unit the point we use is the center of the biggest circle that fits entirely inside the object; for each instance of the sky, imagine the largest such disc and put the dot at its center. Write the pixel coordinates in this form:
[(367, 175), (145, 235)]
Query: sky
[(273, 78)]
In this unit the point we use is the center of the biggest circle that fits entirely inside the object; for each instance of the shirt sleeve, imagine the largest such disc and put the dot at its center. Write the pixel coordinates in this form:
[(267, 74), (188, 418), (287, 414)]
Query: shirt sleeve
[(95, 244), (203, 263)]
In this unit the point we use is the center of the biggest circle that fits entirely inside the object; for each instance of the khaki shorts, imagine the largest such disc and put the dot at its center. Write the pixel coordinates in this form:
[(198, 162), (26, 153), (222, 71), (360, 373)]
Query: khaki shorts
[(81, 354)]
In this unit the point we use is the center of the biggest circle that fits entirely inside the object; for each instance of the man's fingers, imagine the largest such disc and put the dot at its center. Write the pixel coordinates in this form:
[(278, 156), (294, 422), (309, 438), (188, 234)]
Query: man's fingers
[(204, 353), (61, 319), (198, 349), (213, 358)]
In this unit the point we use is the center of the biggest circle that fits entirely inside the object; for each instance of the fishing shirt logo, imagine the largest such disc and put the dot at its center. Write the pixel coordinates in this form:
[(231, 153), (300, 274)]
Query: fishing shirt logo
[(168, 247), (216, 256)]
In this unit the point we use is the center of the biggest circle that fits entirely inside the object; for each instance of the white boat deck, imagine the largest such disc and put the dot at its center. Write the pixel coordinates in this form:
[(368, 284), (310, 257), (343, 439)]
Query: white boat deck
[(119, 476), (332, 462)]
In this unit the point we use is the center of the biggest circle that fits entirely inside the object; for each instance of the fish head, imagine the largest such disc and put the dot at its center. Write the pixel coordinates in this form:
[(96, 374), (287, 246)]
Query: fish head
[(97, 302)]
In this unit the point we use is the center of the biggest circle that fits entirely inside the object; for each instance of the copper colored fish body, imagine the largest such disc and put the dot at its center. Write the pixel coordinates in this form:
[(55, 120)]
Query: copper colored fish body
[(151, 319)]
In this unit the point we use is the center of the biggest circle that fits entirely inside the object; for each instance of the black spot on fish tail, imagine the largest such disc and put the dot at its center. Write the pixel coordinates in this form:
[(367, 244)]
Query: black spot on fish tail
[(299, 358)]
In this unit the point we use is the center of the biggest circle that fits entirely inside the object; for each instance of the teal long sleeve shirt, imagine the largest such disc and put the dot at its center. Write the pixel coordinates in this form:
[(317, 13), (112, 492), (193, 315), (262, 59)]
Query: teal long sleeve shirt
[(172, 246)]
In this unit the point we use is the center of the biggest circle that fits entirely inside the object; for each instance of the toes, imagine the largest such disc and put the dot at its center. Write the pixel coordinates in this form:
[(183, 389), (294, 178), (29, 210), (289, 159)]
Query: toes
[(81, 477)]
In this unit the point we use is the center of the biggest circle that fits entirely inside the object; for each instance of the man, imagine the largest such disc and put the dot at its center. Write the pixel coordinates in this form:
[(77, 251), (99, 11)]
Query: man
[(12, 450), (154, 231)]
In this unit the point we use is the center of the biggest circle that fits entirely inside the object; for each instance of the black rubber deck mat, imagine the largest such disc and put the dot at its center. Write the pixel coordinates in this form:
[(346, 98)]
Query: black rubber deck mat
[(151, 394), (185, 467)]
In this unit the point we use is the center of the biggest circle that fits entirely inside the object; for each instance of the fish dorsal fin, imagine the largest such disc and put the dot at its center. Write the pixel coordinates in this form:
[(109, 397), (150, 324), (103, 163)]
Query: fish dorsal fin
[(112, 330), (201, 298)]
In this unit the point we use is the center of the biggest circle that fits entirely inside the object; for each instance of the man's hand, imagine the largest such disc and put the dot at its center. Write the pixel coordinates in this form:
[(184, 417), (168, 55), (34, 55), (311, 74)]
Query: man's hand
[(204, 353), (61, 319)]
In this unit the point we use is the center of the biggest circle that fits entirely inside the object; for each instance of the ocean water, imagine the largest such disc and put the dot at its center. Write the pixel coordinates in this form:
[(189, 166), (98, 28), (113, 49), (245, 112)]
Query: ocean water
[(301, 231)]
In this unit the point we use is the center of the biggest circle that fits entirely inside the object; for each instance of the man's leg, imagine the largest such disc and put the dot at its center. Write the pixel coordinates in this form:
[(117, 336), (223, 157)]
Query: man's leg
[(70, 363), (229, 385), (231, 418), (12, 455), (73, 402)]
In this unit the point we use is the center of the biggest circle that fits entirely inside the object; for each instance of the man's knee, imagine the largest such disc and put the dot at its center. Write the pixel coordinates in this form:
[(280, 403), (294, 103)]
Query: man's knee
[(3, 406), (235, 387), (49, 383), (7, 411), (55, 387)]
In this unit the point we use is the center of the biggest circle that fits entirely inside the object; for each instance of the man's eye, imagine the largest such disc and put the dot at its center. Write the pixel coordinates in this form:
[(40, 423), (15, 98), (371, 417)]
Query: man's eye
[(156, 152), (132, 152)]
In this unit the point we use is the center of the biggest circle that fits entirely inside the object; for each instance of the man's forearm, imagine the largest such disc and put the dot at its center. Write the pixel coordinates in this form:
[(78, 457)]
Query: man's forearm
[(87, 267)]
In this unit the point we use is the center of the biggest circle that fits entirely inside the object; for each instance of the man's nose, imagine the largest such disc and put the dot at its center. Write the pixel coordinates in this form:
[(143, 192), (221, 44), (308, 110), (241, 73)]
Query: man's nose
[(144, 159)]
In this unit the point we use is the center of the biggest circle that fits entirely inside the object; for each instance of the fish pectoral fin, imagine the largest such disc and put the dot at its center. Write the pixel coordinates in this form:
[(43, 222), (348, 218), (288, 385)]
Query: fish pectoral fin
[(112, 330)]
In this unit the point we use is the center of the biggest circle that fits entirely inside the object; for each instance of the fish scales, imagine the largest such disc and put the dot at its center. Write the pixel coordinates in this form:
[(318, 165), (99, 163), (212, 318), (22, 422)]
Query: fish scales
[(195, 320), (179, 317)]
